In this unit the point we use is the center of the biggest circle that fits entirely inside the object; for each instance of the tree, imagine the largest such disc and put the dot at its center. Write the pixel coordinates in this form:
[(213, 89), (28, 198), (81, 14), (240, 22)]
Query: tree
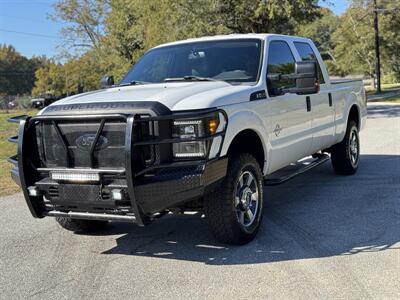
[(321, 30), (260, 16), (84, 19), (389, 26), (49, 79), (17, 71), (354, 41)]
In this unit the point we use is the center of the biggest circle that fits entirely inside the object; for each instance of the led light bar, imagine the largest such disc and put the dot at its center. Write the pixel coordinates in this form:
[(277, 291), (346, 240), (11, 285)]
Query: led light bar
[(187, 122), (183, 155), (75, 176)]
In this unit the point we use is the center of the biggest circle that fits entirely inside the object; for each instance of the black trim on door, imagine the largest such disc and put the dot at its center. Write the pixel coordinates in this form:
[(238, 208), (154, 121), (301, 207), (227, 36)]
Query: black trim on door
[(308, 101)]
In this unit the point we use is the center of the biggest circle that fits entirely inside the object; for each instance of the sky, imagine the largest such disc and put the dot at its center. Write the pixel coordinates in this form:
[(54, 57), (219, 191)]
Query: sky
[(25, 24)]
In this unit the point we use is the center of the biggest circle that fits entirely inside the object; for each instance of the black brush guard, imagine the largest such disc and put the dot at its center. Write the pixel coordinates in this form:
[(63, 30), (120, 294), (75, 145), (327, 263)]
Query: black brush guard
[(26, 173)]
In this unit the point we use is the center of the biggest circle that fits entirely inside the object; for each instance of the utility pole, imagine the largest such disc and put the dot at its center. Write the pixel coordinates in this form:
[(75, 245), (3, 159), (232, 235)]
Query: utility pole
[(377, 52)]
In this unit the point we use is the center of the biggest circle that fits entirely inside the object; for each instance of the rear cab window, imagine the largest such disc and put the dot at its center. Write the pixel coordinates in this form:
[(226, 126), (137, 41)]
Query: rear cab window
[(306, 53)]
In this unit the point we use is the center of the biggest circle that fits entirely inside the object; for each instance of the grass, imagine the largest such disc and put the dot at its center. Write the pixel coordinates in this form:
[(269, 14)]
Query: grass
[(394, 99), (7, 149), (384, 87)]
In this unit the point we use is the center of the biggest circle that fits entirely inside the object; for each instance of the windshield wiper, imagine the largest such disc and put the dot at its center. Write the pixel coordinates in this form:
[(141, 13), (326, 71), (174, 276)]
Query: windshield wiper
[(133, 82), (190, 78)]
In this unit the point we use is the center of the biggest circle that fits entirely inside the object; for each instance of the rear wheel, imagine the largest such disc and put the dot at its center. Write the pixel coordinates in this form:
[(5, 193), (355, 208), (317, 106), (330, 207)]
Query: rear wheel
[(345, 155), (78, 225), (234, 210)]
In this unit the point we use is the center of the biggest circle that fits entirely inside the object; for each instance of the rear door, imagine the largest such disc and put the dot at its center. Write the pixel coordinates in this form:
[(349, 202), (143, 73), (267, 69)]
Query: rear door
[(322, 107), (288, 119)]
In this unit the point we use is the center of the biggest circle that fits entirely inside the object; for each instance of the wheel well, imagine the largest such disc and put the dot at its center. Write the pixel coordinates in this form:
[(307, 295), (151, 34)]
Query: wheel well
[(354, 116), (248, 141)]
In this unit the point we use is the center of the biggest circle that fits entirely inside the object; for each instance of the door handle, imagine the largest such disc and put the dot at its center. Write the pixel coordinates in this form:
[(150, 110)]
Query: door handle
[(308, 101), (330, 99)]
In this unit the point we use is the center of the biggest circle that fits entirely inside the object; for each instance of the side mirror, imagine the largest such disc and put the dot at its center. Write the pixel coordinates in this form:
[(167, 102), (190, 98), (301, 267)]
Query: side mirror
[(306, 78), (106, 81)]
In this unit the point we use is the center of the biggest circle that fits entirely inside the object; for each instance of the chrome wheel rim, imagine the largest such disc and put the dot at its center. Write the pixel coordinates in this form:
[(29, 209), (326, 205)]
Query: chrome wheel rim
[(246, 198), (354, 147)]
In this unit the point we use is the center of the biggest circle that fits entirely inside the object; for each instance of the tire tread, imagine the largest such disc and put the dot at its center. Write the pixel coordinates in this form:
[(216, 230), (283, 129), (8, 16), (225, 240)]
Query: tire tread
[(340, 154), (218, 205)]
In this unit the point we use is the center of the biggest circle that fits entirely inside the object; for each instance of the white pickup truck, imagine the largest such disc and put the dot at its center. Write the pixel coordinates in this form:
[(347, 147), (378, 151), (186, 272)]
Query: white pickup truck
[(196, 125)]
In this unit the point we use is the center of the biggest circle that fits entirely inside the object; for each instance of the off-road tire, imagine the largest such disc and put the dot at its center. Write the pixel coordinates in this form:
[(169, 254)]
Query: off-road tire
[(342, 154), (220, 205), (78, 225)]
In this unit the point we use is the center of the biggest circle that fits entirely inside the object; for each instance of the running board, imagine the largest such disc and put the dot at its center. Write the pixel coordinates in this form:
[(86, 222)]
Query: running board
[(295, 169)]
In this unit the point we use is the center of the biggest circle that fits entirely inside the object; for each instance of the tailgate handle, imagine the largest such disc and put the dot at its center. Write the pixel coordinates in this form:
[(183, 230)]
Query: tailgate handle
[(308, 101), (330, 99)]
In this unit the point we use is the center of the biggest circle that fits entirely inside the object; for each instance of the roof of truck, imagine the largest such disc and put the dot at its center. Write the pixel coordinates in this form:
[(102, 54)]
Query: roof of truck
[(261, 36)]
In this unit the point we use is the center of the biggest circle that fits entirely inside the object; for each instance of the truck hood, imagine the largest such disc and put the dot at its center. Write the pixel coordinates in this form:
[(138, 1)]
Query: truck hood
[(174, 95)]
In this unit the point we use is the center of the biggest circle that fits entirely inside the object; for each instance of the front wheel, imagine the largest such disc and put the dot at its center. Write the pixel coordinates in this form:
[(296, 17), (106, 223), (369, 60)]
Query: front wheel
[(345, 155), (234, 210)]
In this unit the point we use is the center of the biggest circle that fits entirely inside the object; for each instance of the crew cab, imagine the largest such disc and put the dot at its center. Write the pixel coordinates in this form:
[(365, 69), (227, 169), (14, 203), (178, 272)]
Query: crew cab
[(196, 125)]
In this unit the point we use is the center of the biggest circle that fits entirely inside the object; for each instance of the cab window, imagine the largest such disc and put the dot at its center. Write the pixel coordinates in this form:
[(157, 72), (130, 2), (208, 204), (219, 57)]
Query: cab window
[(306, 53)]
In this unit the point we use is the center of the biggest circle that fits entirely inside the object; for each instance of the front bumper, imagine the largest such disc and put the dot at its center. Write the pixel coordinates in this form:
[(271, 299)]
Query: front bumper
[(156, 189)]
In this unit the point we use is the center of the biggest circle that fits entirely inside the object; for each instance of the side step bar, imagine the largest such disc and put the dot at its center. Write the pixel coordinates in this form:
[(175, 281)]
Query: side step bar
[(91, 216), (295, 169)]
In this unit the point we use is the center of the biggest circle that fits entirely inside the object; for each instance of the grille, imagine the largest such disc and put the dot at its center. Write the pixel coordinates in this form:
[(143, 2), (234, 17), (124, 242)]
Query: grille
[(53, 192), (105, 194), (79, 138), (80, 193)]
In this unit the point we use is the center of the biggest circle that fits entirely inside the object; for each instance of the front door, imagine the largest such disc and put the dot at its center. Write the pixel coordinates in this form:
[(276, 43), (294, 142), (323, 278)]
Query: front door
[(287, 117)]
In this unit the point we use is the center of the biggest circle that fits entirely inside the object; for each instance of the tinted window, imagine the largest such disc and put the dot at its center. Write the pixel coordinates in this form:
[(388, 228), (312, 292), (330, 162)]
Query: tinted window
[(307, 53), (229, 60), (280, 61)]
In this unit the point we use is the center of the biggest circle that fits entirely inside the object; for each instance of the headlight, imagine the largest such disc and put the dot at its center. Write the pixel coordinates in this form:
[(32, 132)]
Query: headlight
[(192, 129)]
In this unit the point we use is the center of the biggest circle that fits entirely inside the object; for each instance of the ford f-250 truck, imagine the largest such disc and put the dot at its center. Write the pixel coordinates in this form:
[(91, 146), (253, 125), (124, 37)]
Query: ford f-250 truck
[(195, 125)]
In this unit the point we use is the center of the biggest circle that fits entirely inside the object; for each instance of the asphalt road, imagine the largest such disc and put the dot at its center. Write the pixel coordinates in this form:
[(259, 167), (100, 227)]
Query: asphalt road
[(323, 236)]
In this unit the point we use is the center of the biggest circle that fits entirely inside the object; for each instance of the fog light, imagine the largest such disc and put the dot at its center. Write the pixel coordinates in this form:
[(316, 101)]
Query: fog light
[(189, 149), (33, 191), (75, 176), (117, 194)]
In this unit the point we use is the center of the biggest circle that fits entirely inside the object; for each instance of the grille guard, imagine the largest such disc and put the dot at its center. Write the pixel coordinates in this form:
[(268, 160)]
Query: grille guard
[(26, 174)]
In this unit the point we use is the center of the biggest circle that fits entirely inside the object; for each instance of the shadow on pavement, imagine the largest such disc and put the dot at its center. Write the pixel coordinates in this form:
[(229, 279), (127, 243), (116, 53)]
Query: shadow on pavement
[(383, 111), (318, 214)]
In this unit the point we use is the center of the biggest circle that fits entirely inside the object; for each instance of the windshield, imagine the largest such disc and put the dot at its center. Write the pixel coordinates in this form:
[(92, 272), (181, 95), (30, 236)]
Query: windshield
[(228, 60)]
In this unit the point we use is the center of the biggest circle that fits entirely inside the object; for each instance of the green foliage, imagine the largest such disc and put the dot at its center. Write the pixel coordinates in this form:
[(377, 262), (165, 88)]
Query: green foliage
[(354, 40), (84, 19), (277, 16), (321, 30), (389, 23), (17, 71), (50, 79)]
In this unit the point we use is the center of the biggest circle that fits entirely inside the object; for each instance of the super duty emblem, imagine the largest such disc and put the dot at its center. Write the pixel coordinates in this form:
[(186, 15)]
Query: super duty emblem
[(85, 142)]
